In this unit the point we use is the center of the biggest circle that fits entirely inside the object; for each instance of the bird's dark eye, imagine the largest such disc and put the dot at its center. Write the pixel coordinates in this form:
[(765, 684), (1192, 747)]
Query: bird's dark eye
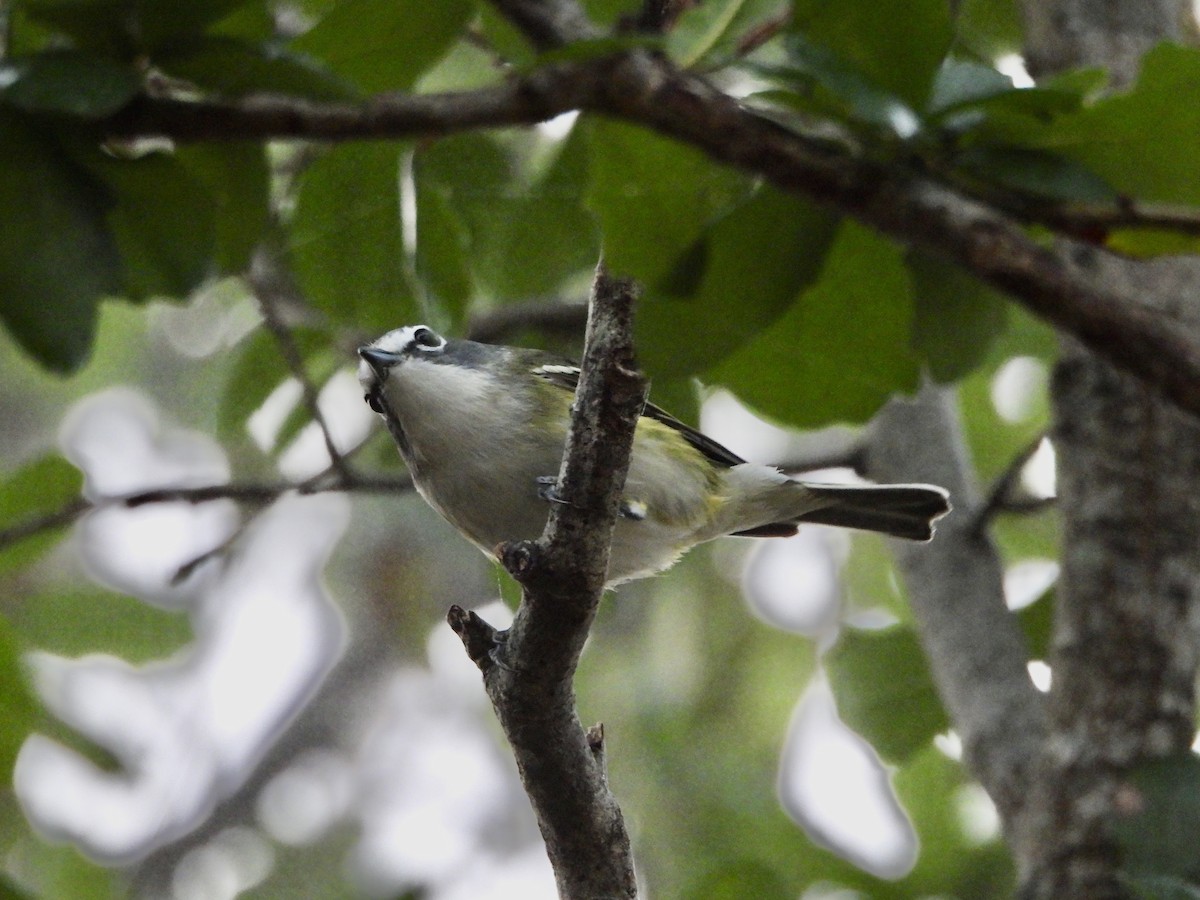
[(373, 402), (423, 337)]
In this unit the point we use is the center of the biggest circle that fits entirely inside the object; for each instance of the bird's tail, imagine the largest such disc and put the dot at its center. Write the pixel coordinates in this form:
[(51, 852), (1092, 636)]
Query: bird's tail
[(899, 510)]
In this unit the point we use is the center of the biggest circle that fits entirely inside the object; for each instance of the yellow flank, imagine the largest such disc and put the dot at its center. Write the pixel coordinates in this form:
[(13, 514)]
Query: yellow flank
[(678, 484)]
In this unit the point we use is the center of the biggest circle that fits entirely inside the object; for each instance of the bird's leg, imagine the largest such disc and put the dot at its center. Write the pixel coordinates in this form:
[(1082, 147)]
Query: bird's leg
[(548, 489)]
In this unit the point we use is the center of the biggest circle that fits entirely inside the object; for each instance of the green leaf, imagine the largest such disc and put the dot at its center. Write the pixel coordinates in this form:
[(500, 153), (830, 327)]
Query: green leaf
[(884, 692), (233, 68), (1142, 142), (842, 349), (1037, 622), (258, 370), (68, 82), (653, 197), (756, 261), (58, 256), (442, 252), (75, 622), (19, 709), (346, 243), (956, 317), (161, 22), (737, 879), (1036, 172), (988, 28), (895, 44), (961, 81), (713, 30), (384, 45), (39, 489), (238, 182), (857, 95), (127, 27), (526, 228), (1159, 831), (164, 223), (101, 24)]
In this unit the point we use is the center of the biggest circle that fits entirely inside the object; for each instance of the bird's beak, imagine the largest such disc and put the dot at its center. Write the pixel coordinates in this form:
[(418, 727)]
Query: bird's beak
[(379, 360)]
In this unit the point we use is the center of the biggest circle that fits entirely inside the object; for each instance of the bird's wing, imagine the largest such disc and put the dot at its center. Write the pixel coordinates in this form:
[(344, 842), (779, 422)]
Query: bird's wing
[(566, 376)]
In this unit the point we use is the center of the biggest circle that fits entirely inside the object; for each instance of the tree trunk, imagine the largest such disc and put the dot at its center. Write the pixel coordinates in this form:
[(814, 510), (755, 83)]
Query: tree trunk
[(1125, 651)]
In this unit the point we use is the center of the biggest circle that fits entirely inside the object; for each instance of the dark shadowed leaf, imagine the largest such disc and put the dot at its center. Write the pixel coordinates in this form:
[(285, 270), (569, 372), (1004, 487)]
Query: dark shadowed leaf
[(653, 197), (756, 261), (711, 31), (884, 691), (1142, 142), (1162, 887), (164, 223), (842, 349), (955, 317), (1036, 172), (527, 230), (237, 180), (1159, 832), (347, 246), (384, 45), (896, 44), (855, 94), (58, 256), (960, 81), (442, 252), (67, 81), (232, 68), (129, 26)]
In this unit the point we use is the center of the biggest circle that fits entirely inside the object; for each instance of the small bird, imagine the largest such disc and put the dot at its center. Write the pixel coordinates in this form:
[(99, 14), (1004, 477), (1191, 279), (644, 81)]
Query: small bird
[(482, 428)]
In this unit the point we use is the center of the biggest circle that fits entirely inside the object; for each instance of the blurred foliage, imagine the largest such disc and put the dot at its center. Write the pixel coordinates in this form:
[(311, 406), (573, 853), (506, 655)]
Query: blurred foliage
[(123, 262)]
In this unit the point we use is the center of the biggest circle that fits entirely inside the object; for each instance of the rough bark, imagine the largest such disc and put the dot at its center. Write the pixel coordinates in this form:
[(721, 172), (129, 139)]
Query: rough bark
[(1125, 648), (529, 671), (976, 650)]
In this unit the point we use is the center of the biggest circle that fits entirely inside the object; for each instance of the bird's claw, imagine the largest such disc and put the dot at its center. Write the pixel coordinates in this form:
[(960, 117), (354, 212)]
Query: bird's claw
[(548, 489)]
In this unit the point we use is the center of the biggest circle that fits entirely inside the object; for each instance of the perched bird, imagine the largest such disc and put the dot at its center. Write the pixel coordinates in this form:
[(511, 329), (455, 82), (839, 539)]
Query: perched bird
[(482, 429)]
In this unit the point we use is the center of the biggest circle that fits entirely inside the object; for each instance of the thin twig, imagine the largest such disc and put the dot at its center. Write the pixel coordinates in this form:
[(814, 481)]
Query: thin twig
[(267, 293), (1000, 496), (59, 518), (253, 494)]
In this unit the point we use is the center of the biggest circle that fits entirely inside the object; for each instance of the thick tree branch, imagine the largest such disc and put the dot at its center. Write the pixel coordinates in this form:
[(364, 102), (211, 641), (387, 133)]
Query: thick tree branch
[(1126, 646), (976, 649), (529, 672), (1101, 298)]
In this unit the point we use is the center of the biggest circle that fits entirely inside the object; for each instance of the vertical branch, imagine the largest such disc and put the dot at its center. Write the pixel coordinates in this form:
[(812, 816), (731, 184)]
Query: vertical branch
[(1126, 642), (528, 673), (976, 650)]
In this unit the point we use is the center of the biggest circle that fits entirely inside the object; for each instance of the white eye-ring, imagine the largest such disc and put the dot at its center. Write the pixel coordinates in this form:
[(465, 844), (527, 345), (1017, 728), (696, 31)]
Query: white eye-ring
[(426, 339)]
